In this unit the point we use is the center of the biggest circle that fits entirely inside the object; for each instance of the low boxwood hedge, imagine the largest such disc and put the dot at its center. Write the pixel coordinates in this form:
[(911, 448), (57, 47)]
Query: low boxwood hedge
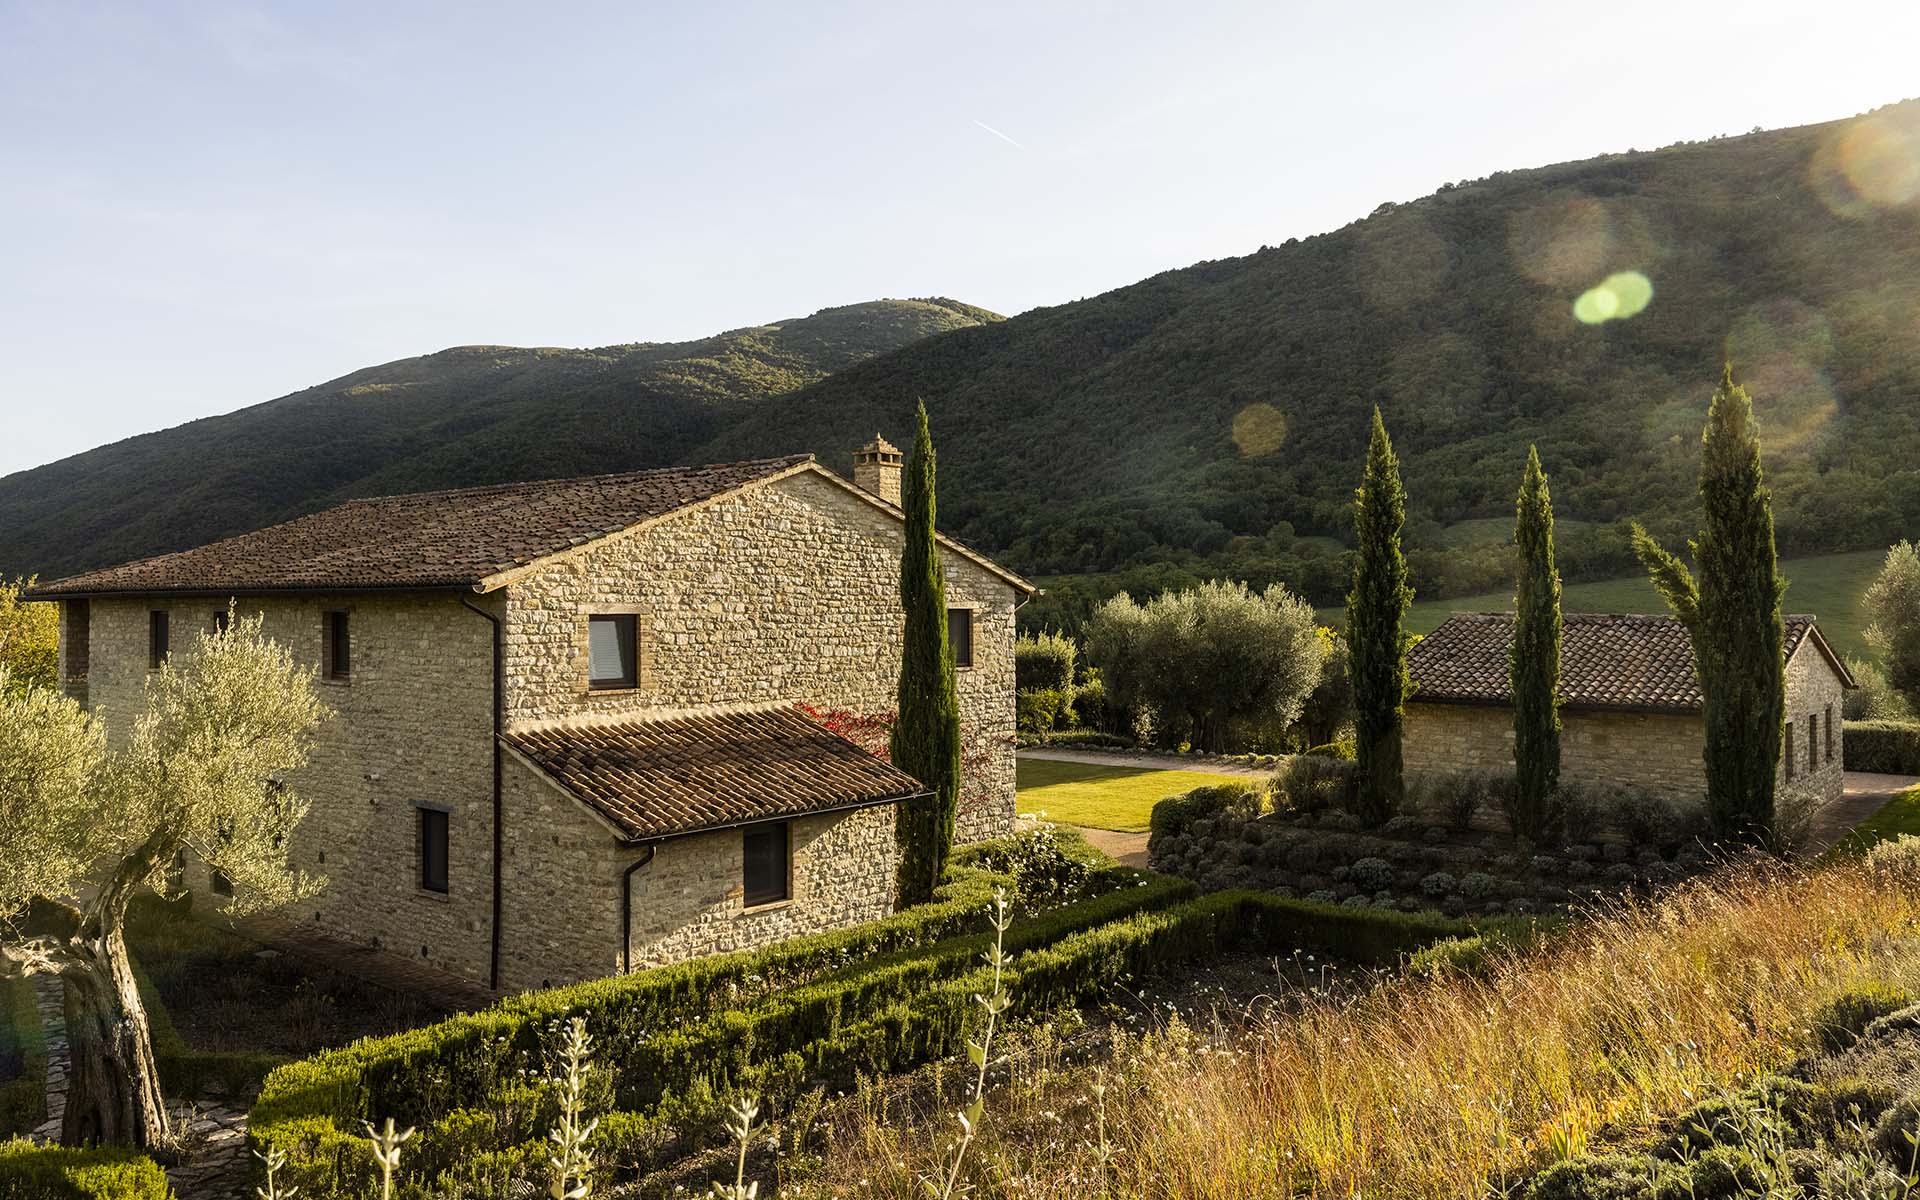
[(1885, 747), (33, 1172), (885, 997)]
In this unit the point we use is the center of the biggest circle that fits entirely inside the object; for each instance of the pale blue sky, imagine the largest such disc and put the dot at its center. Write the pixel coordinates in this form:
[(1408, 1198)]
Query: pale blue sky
[(203, 206)]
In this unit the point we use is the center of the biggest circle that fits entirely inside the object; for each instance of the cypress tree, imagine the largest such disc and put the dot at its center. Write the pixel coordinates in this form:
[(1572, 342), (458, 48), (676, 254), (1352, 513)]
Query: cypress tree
[(1376, 642), (925, 742), (1534, 667), (1732, 616)]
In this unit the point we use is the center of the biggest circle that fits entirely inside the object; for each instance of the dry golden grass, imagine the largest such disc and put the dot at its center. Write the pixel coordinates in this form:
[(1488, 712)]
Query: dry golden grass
[(1444, 1087)]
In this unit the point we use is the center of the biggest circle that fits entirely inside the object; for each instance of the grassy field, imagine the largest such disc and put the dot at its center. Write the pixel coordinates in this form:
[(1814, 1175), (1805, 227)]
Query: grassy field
[(1102, 797), (1827, 585)]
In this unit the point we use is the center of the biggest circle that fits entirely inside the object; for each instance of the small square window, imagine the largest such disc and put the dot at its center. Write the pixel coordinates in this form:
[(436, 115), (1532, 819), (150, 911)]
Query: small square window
[(221, 619), (960, 636), (611, 661), (157, 638), (339, 665), (764, 861), (433, 850), (222, 886)]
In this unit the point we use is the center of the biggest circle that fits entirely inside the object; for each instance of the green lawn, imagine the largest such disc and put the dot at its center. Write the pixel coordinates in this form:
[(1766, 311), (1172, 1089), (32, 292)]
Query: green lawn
[(1102, 797), (1828, 585)]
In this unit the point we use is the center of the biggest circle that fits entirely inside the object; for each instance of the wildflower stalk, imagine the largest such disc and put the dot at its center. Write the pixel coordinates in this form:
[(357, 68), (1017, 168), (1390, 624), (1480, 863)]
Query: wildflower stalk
[(275, 1159), (995, 1003), (740, 1117), (386, 1152), (571, 1162)]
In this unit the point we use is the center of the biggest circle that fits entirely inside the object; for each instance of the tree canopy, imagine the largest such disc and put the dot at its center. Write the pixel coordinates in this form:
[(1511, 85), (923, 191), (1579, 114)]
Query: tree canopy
[(1208, 657)]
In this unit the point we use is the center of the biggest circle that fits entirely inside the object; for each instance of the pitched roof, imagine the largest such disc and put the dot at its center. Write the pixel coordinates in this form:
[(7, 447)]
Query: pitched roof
[(714, 769), (463, 537), (1607, 660)]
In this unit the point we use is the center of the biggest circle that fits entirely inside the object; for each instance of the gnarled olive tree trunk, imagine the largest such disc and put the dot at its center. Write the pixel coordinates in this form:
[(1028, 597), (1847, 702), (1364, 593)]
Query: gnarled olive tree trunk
[(113, 1088)]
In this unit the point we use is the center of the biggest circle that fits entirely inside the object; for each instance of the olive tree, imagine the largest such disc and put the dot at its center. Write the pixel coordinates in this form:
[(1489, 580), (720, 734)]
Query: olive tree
[(87, 825), (1209, 656), (1893, 604)]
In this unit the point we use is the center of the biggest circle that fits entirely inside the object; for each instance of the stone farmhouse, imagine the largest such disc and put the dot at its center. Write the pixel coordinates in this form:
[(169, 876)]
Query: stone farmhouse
[(1630, 703), (574, 727)]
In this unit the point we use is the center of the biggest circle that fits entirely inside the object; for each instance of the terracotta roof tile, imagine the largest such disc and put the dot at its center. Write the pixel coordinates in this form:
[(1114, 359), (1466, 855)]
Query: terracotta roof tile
[(1607, 660), (425, 539), (656, 778)]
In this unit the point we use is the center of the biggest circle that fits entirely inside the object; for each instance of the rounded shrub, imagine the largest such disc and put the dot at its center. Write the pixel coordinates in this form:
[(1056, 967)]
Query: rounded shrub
[(1371, 874), (1839, 1022)]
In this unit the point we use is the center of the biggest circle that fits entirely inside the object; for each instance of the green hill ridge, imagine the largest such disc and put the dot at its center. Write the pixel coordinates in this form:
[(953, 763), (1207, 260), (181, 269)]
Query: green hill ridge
[(1211, 420), (466, 415)]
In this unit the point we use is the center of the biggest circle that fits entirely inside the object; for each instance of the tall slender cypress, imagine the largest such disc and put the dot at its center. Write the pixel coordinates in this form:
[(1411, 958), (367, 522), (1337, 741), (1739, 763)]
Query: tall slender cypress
[(1534, 666), (1376, 639), (1733, 617), (925, 742)]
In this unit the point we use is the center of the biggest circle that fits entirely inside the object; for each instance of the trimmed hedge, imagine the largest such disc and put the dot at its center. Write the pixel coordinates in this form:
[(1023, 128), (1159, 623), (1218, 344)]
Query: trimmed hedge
[(32, 1172), (312, 1108), (23, 1059), (1886, 747), (465, 1081)]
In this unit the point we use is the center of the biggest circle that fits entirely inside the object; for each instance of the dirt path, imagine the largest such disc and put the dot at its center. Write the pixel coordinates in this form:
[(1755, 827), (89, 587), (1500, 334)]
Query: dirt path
[(1127, 849), (1147, 762)]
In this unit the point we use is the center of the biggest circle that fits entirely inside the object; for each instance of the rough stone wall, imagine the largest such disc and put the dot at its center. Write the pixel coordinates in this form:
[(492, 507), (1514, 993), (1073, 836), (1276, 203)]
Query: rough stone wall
[(560, 885), (786, 592), (1655, 751), (1813, 704), (688, 901), (412, 727)]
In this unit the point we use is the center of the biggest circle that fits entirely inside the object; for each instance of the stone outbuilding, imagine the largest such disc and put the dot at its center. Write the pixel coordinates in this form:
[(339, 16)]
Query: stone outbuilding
[(581, 725), (1631, 707)]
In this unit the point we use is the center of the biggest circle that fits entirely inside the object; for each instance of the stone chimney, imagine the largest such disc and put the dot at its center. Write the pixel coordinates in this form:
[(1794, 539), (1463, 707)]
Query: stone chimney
[(877, 466)]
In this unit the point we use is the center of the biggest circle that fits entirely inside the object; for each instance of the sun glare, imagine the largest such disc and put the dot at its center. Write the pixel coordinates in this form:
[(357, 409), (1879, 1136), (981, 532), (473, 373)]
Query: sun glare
[(1615, 298)]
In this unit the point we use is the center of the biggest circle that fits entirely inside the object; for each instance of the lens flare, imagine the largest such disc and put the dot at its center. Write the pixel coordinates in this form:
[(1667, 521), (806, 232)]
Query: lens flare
[(1871, 164), (1561, 240), (1780, 348), (1615, 298), (1259, 429)]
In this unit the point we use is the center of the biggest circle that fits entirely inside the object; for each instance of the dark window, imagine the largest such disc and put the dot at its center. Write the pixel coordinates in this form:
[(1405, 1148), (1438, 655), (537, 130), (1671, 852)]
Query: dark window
[(1789, 749), (610, 652), (77, 638), (222, 886), (157, 638), (221, 619), (339, 647), (1829, 733), (433, 850), (765, 858), (1813, 741), (960, 635)]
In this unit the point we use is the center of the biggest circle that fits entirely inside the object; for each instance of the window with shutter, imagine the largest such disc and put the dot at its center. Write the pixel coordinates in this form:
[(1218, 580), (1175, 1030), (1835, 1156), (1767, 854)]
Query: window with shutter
[(611, 645), (157, 638), (433, 850), (764, 861), (339, 647), (960, 636)]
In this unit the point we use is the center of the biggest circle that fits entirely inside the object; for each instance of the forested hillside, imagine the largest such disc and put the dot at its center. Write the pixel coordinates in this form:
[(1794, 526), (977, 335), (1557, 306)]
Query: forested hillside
[(1211, 420), (1214, 418), (468, 415)]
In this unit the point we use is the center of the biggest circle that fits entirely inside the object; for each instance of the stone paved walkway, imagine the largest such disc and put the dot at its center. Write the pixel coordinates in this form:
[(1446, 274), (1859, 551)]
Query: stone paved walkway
[(1865, 794), (217, 1166), (393, 972)]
